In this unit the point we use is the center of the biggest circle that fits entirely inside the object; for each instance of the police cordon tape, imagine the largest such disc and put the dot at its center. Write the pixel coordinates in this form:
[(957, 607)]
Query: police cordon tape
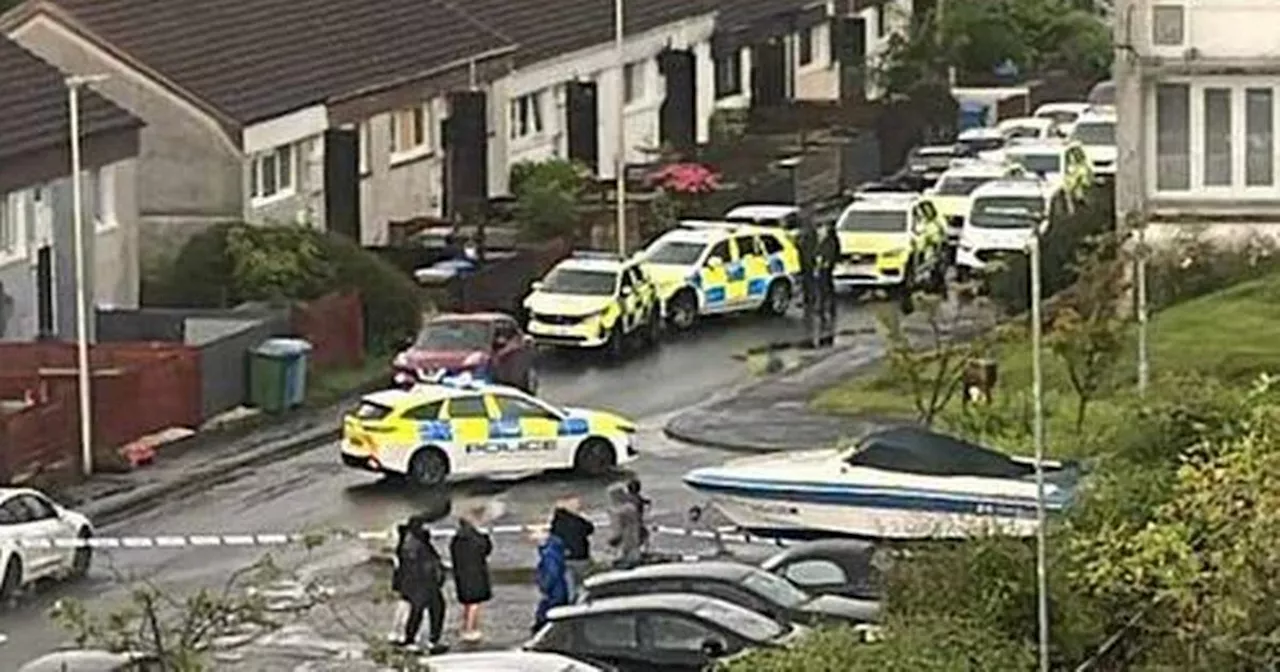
[(721, 535)]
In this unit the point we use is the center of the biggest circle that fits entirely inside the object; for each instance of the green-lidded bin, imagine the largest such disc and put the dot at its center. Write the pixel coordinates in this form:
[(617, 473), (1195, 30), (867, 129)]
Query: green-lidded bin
[(278, 374)]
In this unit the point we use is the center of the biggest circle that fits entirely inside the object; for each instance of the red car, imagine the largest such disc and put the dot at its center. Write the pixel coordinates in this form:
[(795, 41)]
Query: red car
[(489, 346)]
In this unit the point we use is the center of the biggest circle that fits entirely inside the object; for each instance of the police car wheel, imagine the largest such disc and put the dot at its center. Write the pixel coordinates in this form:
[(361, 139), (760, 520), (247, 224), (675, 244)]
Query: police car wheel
[(653, 327), (683, 310), (616, 344), (428, 467), (12, 581), (595, 457), (778, 298)]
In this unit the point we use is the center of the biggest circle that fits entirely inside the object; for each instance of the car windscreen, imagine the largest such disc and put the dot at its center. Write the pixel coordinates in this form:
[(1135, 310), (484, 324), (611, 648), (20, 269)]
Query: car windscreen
[(580, 281), (1095, 133), (1006, 212), (1040, 164), (873, 221), (775, 589), (676, 252), (454, 335), (745, 623), (959, 186)]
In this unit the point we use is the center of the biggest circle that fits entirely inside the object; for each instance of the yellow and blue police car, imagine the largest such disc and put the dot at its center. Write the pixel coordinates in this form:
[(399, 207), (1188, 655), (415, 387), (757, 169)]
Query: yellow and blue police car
[(704, 268), (594, 300), (891, 241), (459, 427)]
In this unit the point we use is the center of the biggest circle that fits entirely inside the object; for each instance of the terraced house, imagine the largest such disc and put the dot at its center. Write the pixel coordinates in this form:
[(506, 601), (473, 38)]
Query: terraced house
[(37, 229)]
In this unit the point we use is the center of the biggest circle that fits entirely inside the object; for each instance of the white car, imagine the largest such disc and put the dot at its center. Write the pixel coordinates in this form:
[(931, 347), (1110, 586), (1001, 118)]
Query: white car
[(1096, 132), (1062, 113), (84, 660), (1002, 216), (29, 516)]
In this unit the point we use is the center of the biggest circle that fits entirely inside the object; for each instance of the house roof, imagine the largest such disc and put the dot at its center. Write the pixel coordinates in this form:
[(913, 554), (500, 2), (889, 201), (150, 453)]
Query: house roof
[(34, 100), (257, 59)]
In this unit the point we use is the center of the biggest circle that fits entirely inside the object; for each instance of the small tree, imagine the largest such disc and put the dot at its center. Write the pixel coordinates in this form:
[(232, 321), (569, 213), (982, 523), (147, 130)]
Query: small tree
[(547, 197), (1087, 328), (933, 364)]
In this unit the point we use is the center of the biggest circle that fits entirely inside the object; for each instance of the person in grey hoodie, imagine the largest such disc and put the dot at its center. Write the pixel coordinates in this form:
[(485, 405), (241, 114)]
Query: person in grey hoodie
[(625, 522)]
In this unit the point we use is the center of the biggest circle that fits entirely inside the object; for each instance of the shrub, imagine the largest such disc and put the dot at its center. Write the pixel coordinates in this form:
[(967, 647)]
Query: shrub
[(547, 195), (1192, 265)]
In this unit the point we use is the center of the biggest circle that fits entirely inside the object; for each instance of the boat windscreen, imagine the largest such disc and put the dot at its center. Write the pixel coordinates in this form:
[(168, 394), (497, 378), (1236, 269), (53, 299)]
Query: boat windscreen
[(922, 452)]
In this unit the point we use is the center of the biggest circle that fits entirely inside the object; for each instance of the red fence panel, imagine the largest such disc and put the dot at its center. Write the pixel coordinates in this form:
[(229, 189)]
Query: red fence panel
[(334, 325), (42, 437)]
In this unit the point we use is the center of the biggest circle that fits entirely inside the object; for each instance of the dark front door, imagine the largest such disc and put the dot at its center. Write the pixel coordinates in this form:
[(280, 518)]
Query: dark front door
[(678, 117), (769, 72), (44, 292), (466, 145), (849, 53), (583, 123), (342, 182)]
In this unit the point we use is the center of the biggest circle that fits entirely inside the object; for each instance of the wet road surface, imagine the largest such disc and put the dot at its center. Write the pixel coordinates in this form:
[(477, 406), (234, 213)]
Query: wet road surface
[(314, 492)]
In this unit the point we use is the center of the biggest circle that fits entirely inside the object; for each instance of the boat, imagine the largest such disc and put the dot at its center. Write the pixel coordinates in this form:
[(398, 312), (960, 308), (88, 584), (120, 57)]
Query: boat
[(902, 483)]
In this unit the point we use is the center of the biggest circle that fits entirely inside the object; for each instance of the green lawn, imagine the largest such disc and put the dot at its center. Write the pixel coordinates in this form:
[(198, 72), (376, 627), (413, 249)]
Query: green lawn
[(1231, 335)]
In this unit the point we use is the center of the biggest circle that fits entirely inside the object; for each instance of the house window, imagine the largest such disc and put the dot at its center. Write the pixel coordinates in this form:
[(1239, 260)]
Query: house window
[(1173, 141), (1167, 26), (729, 74), (1259, 159), (526, 115), (271, 173), (1217, 137), (366, 146), (104, 199), (13, 231), (409, 132), (804, 46), (633, 82)]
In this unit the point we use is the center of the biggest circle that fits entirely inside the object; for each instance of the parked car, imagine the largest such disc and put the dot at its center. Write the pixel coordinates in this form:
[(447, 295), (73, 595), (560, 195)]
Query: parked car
[(489, 346), (925, 164), (511, 661), (659, 632), (27, 514), (845, 567), (744, 585), (94, 661)]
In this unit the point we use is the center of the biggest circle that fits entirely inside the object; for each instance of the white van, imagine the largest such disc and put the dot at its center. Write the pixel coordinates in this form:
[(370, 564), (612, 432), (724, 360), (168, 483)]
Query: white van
[(1002, 216)]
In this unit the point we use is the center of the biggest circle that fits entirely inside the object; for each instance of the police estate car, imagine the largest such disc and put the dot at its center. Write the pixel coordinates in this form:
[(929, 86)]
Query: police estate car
[(456, 427), (704, 268), (891, 241), (951, 194), (1060, 163), (1002, 216), (592, 300)]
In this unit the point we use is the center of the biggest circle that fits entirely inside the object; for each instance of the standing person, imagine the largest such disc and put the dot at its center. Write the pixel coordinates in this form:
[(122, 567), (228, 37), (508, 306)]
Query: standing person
[(418, 578), (643, 504), (828, 256), (625, 519), (470, 551), (575, 531), (553, 585)]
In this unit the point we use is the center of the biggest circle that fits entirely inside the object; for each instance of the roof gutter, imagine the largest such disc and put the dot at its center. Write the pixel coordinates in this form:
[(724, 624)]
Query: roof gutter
[(468, 62)]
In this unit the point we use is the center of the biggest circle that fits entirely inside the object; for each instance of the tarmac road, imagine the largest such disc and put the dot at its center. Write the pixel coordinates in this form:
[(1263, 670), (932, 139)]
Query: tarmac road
[(314, 492)]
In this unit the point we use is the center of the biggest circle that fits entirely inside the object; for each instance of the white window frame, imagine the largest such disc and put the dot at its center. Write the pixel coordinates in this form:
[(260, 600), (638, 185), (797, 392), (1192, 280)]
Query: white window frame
[(105, 216), (1237, 190), (407, 149), (286, 180), (635, 84), (528, 118), (13, 226), (364, 138)]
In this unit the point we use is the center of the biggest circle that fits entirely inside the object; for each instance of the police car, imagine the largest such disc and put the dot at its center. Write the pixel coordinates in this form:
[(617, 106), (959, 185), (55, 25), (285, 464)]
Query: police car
[(892, 241), (1060, 163), (593, 300), (765, 214), (1095, 130), (704, 268), (458, 427), (951, 194), (1002, 216)]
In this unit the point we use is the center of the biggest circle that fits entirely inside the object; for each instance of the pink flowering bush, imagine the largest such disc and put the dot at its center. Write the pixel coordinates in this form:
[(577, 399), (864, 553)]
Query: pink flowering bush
[(684, 178)]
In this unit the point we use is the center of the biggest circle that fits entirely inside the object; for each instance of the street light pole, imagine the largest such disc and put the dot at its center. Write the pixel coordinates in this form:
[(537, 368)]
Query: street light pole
[(1144, 363), (1037, 391), (74, 84), (620, 149)]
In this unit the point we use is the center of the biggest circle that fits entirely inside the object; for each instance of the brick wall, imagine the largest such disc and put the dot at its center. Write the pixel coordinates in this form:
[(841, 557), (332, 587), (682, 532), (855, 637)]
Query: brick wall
[(334, 325)]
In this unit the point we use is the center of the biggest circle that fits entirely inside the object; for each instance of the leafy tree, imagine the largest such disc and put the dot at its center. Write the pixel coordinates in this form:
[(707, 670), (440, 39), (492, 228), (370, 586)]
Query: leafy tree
[(1088, 325), (547, 197)]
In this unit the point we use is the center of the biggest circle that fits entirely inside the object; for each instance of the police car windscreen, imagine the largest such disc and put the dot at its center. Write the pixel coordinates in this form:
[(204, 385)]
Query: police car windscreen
[(874, 221), (1006, 212), (676, 252), (457, 335), (580, 281), (960, 186), (1041, 164), (1095, 133)]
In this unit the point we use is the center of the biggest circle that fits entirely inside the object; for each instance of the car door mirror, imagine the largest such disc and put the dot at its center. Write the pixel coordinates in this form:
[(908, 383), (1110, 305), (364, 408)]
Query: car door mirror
[(713, 648)]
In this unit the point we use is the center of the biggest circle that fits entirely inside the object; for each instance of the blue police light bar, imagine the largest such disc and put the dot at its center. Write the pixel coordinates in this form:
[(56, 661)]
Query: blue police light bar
[(463, 380)]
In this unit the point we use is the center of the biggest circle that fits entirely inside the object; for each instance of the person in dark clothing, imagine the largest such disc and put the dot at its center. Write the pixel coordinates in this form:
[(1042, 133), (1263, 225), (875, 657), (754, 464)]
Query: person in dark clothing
[(553, 585), (418, 576), (642, 508), (470, 551), (575, 531), (827, 257)]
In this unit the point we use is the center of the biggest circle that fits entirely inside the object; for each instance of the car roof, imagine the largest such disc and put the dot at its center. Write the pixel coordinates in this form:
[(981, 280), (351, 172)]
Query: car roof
[(762, 211), (1039, 147), (938, 150), (507, 661), (1010, 187), (1063, 106), (822, 547), (886, 202), (1096, 117), (976, 133), (978, 169), (425, 393), (684, 602), (711, 569), (1040, 122), (469, 317), (6, 493), (592, 264)]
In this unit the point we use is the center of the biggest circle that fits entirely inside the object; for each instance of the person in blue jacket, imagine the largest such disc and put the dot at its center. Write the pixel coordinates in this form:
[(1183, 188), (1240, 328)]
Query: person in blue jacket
[(553, 583)]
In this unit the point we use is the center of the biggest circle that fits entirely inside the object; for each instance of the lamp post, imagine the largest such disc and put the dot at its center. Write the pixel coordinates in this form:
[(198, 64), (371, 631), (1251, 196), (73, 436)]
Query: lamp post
[(74, 84), (620, 149), (1037, 391), (1144, 362)]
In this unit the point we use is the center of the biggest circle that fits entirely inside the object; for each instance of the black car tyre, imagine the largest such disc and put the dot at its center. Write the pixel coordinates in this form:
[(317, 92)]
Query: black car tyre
[(653, 328), (682, 310), (83, 557), (429, 466), (777, 299), (617, 343), (12, 581), (595, 457)]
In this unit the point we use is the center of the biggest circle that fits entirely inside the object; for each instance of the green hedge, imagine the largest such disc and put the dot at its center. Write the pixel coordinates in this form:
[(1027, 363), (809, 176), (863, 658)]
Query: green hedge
[(233, 263)]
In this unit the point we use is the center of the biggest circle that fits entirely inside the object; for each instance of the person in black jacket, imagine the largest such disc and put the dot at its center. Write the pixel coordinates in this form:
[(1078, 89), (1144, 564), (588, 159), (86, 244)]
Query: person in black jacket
[(575, 531), (470, 551), (418, 576)]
